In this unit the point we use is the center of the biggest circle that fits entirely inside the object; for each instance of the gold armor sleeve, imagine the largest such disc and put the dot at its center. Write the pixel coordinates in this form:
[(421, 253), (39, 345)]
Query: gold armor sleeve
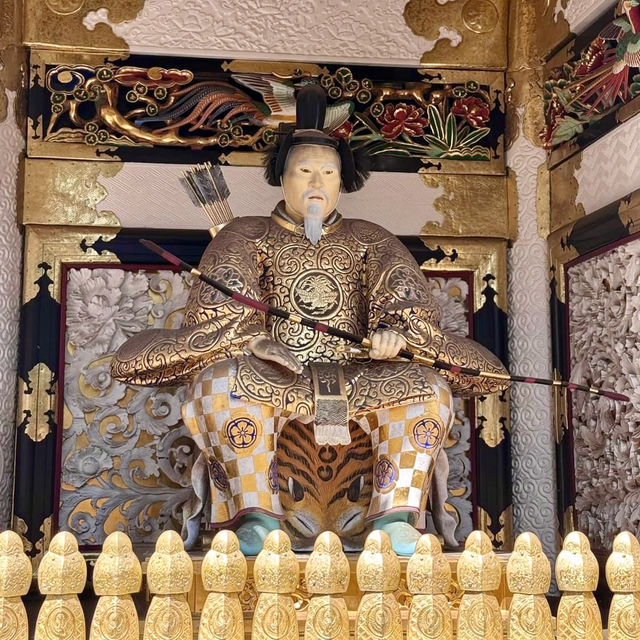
[(400, 299), (214, 328)]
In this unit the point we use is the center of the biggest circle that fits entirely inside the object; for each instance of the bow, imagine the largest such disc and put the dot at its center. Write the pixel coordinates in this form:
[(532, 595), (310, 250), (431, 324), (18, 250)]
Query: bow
[(365, 342)]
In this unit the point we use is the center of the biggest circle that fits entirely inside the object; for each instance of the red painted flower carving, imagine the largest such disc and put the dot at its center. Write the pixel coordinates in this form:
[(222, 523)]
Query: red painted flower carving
[(475, 110), (400, 118)]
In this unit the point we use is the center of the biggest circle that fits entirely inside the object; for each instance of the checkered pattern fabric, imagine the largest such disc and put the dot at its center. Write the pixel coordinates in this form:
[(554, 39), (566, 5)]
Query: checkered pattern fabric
[(406, 440), (239, 442)]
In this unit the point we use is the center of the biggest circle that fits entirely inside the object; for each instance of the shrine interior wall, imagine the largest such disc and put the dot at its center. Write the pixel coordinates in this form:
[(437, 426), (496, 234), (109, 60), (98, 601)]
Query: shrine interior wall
[(12, 132), (84, 197)]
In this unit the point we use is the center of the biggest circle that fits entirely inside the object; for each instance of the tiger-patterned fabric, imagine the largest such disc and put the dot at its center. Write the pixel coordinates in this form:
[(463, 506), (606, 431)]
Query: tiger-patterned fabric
[(240, 441)]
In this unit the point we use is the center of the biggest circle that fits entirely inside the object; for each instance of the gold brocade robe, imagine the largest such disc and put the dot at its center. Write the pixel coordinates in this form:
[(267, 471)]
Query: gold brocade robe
[(358, 277)]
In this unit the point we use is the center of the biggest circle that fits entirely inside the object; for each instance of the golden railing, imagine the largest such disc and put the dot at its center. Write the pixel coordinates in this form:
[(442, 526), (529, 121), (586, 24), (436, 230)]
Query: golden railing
[(427, 612)]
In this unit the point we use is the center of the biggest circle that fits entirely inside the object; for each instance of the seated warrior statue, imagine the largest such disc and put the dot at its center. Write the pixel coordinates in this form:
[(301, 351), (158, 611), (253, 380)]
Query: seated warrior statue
[(252, 376)]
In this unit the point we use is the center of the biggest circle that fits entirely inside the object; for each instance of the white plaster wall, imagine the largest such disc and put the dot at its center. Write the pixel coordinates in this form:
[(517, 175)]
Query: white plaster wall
[(533, 442), (401, 202), (349, 31), (610, 167), (11, 145), (581, 13)]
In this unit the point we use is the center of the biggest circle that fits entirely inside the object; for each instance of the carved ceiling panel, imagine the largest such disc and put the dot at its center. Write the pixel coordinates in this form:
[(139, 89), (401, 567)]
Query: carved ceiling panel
[(467, 33)]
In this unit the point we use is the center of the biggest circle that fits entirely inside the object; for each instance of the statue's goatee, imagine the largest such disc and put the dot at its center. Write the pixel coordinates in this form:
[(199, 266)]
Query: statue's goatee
[(313, 223)]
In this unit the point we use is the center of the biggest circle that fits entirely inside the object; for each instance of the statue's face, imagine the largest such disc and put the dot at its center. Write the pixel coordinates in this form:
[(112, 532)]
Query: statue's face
[(311, 181)]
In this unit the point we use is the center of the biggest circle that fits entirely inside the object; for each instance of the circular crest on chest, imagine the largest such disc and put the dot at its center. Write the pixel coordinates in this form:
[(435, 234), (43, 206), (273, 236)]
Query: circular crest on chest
[(317, 294)]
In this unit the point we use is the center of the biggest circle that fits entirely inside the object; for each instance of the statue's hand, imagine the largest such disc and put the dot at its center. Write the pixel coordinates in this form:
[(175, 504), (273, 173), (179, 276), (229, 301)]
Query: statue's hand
[(267, 349), (386, 344)]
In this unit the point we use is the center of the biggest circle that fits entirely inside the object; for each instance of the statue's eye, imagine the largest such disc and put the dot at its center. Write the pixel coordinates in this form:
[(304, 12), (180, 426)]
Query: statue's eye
[(353, 492), (295, 489)]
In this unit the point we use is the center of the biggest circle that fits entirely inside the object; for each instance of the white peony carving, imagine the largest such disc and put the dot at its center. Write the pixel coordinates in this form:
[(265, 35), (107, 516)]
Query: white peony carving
[(604, 317), (126, 455), (106, 307)]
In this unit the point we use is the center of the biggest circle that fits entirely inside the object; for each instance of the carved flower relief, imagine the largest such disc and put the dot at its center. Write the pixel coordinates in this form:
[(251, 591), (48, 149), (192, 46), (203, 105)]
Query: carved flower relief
[(105, 307), (401, 118), (156, 410), (604, 315), (474, 110), (98, 377), (126, 456), (452, 295), (84, 464), (343, 131)]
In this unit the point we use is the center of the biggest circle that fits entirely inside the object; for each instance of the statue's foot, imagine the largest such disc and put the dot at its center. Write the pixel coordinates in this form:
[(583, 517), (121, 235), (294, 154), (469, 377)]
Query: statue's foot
[(404, 537), (254, 529)]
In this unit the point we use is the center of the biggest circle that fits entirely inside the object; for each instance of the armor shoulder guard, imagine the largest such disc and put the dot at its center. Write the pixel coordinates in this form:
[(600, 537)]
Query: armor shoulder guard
[(368, 233), (251, 228)]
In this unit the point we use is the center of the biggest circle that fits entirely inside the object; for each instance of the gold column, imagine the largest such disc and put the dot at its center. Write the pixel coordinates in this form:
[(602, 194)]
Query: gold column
[(529, 579), (224, 573), (378, 573), (62, 575), (577, 576), (15, 580), (429, 580), (276, 575), (479, 616), (623, 576), (116, 576), (169, 575), (327, 576)]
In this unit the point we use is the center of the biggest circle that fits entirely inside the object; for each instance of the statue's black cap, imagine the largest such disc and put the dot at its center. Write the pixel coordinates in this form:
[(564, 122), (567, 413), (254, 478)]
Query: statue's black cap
[(311, 107)]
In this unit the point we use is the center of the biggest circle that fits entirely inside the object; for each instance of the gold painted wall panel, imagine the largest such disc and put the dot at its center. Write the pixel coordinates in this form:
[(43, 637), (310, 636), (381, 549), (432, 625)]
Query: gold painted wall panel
[(58, 23), (564, 191), (66, 192), (12, 58), (551, 31), (470, 206), (481, 25)]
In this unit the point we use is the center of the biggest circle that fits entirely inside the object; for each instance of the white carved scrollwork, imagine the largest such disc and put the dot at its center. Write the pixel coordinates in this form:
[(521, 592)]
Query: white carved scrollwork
[(126, 455), (11, 143), (604, 330), (533, 442)]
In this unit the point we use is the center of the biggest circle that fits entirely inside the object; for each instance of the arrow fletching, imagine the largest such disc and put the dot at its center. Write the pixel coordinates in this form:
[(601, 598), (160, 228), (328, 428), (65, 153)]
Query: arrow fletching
[(207, 188)]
